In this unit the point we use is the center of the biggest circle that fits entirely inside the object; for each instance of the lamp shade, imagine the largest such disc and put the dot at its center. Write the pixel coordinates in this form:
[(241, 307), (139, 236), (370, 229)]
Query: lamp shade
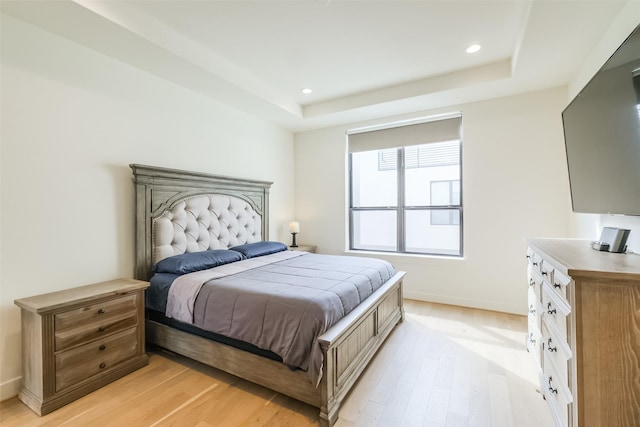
[(294, 227)]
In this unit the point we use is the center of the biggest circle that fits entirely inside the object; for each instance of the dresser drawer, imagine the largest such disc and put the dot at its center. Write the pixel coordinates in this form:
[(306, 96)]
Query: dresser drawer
[(81, 363), (93, 321), (557, 396), (535, 283), (556, 311), (535, 260), (560, 284), (546, 271), (535, 310), (534, 343), (556, 352)]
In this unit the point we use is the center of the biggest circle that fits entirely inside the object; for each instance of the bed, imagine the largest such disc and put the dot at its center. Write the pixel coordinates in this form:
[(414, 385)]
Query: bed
[(182, 212)]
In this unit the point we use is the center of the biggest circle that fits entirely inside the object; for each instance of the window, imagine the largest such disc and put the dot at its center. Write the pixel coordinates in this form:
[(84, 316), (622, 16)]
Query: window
[(407, 198)]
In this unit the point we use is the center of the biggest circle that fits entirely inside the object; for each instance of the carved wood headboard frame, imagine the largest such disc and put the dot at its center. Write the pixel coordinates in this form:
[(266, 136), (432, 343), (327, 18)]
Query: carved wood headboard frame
[(158, 190)]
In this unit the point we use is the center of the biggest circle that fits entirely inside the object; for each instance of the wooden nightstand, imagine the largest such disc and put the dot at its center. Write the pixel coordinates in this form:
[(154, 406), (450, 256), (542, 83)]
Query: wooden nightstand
[(306, 248), (77, 340)]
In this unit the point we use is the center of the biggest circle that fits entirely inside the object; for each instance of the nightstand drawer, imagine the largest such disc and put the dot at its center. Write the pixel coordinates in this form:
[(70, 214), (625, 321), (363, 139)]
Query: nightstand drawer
[(83, 362), (96, 312), (87, 323)]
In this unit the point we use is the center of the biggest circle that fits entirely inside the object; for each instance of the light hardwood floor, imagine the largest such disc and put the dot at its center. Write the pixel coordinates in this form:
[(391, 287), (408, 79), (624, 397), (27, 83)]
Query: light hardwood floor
[(443, 366)]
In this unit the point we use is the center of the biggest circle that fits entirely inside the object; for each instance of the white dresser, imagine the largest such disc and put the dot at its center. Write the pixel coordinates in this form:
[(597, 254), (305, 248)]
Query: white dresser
[(584, 331)]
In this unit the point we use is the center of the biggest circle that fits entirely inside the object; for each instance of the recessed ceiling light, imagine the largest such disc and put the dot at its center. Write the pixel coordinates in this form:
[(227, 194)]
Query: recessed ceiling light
[(473, 48), (306, 90)]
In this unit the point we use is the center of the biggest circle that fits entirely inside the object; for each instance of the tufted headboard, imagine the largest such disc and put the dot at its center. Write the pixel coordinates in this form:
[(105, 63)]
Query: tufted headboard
[(180, 211)]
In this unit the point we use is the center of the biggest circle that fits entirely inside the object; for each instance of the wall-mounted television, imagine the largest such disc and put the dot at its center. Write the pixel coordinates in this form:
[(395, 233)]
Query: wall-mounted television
[(602, 136)]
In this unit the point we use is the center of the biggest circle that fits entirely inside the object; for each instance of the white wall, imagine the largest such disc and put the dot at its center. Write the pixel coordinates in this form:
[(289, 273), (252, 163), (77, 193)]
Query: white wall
[(72, 122), (589, 226), (515, 185)]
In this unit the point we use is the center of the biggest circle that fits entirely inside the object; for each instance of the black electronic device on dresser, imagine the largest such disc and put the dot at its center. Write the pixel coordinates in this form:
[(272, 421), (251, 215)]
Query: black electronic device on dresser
[(612, 239)]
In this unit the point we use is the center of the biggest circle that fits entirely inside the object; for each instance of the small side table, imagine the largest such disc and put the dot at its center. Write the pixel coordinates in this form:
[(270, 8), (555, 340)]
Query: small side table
[(305, 248), (77, 340)]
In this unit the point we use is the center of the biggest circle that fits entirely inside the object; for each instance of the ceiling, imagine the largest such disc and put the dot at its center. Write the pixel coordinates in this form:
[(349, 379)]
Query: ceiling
[(362, 59)]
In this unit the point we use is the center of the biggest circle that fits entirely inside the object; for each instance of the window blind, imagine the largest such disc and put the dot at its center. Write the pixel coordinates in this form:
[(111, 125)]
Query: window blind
[(422, 156), (402, 136)]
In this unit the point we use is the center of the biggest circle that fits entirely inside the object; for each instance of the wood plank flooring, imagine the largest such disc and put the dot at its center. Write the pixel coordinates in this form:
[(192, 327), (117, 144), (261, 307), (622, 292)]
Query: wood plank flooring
[(443, 366)]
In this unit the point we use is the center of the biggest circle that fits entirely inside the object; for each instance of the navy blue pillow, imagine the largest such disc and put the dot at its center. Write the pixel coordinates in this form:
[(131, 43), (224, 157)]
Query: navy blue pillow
[(196, 261), (252, 250)]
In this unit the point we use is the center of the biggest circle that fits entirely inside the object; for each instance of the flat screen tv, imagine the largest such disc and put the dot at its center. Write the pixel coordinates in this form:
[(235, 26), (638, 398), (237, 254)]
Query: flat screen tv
[(602, 136)]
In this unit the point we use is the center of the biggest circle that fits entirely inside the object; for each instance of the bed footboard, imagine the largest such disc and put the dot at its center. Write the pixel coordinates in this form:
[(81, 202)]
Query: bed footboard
[(350, 344)]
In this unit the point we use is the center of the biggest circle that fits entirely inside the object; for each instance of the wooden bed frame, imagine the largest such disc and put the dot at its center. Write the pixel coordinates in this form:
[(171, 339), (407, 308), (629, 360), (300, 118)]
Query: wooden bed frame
[(347, 347)]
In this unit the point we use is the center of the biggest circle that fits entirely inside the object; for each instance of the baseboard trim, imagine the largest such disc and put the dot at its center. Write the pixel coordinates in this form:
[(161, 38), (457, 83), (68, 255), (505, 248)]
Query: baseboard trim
[(463, 302), (9, 389)]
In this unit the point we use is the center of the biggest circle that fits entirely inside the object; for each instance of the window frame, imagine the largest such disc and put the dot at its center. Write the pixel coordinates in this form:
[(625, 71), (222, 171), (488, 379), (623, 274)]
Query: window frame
[(401, 209)]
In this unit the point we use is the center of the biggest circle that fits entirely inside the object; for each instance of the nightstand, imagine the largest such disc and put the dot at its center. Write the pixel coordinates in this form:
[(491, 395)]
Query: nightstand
[(306, 248), (77, 340)]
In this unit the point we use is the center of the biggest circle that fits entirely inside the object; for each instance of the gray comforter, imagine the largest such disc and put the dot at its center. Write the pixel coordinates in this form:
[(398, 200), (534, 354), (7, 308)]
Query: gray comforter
[(284, 306)]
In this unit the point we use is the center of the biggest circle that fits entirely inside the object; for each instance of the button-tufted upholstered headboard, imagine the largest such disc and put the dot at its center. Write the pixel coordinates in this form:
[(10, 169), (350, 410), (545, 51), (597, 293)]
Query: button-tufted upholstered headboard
[(180, 211)]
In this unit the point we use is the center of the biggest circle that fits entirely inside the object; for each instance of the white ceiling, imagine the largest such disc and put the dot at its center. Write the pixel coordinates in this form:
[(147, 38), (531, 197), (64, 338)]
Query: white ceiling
[(363, 59)]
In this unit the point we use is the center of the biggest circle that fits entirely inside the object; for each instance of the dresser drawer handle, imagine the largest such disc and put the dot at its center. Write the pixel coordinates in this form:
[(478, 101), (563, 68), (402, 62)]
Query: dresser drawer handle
[(557, 285), (551, 389), (101, 329), (544, 273), (103, 365), (101, 311), (551, 350), (535, 264), (532, 310), (102, 347), (550, 310)]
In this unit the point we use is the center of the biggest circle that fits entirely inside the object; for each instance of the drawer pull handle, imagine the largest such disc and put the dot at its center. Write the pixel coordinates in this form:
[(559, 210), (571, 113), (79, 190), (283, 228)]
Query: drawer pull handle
[(103, 365), (101, 329), (102, 347), (557, 285), (551, 389), (528, 256), (532, 310), (544, 273), (551, 350), (101, 311), (535, 264), (532, 283), (532, 340), (550, 310)]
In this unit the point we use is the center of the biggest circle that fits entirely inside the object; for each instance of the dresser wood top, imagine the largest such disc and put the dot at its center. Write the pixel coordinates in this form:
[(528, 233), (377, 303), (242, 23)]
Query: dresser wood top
[(577, 259), (67, 297)]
